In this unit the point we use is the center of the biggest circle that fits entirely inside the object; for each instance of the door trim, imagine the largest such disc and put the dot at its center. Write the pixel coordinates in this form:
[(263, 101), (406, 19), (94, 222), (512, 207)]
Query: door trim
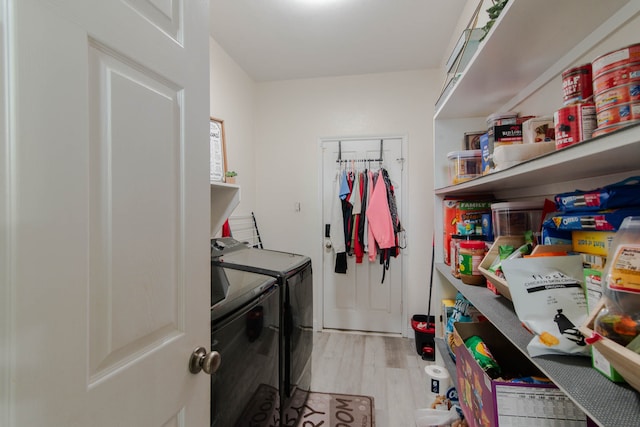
[(318, 293), (7, 193)]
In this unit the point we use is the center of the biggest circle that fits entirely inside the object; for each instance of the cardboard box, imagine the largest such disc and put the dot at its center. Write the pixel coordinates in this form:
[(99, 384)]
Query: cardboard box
[(462, 216), (506, 134), (488, 402), (593, 261), (486, 151), (592, 242)]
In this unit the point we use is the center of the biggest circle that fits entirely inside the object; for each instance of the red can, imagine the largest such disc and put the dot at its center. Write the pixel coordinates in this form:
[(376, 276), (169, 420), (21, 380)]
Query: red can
[(608, 61), (574, 124), (619, 113), (618, 95), (577, 84), (618, 76)]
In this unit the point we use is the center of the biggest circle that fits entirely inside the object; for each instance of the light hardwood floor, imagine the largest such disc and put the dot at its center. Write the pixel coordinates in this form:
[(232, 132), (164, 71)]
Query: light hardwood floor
[(384, 367)]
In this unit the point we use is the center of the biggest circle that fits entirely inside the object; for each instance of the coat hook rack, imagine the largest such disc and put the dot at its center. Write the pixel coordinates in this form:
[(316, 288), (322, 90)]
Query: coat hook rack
[(379, 159)]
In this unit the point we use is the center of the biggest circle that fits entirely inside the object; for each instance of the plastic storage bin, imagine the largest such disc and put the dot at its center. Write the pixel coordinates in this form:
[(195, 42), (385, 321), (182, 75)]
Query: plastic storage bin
[(464, 165), (515, 218)]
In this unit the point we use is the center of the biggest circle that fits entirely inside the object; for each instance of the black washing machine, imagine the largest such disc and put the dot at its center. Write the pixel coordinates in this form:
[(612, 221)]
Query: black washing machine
[(245, 323), (293, 276)]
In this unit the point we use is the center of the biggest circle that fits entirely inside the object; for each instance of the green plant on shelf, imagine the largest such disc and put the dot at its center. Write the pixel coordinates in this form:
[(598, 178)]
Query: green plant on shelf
[(493, 12), (230, 174)]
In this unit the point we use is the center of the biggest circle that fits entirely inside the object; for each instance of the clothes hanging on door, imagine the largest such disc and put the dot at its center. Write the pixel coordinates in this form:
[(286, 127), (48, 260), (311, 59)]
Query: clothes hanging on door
[(369, 215), (336, 230), (379, 215)]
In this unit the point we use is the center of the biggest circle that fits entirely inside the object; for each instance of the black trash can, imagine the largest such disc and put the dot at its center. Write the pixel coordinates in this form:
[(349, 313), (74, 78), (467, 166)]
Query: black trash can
[(425, 332)]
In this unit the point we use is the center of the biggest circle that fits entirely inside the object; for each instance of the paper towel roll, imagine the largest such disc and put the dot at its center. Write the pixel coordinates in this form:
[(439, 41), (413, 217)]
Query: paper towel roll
[(438, 381)]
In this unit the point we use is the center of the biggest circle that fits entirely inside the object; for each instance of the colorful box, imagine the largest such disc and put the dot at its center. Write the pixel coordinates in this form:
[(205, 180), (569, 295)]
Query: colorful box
[(491, 403), (592, 242), (486, 150), (464, 217)]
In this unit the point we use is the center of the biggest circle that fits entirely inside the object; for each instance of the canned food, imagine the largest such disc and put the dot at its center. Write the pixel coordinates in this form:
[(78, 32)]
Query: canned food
[(611, 128), (619, 113), (608, 61), (574, 124), (618, 76), (618, 95), (577, 85)]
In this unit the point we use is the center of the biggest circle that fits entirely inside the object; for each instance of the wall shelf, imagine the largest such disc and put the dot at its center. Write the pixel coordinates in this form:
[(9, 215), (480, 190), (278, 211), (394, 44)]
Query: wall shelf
[(518, 67), (224, 199), (607, 403)]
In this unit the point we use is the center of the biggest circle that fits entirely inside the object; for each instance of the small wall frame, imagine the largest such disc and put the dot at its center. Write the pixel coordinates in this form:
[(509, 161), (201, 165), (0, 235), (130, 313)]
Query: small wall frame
[(217, 150)]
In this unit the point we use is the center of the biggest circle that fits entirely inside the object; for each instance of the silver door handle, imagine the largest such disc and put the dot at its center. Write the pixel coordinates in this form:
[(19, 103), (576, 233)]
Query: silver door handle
[(200, 360), (327, 244)]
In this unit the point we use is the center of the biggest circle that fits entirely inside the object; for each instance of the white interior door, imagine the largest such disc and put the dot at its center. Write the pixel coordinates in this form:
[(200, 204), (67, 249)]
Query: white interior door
[(105, 274), (359, 300)]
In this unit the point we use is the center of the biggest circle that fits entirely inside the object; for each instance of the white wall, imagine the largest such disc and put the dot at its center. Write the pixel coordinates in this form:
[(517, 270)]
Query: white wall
[(232, 100), (291, 117)]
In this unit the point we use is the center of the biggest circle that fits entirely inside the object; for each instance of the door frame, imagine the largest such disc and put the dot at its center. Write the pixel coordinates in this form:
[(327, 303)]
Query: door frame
[(6, 284), (319, 290)]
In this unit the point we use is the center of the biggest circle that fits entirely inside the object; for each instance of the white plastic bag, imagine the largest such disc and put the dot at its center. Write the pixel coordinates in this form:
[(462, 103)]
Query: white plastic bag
[(549, 299), (435, 417)]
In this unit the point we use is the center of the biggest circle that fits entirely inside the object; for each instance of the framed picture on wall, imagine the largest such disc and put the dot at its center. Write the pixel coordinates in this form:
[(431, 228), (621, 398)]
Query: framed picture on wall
[(217, 150)]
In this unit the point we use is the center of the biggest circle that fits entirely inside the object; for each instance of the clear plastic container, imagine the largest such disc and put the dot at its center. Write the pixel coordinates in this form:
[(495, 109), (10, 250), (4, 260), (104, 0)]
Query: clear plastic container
[(464, 165), (499, 119), (515, 218)]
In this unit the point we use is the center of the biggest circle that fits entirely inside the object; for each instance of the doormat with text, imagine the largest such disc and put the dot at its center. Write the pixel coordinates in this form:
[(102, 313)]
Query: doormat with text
[(309, 409), (330, 409)]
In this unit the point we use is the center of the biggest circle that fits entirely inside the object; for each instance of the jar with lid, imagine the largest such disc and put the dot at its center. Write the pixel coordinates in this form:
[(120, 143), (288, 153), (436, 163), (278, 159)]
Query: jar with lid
[(454, 247), (470, 256)]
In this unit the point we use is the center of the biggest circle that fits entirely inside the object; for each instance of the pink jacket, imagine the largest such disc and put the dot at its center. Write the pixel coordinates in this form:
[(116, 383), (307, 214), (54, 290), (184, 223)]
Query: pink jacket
[(379, 217)]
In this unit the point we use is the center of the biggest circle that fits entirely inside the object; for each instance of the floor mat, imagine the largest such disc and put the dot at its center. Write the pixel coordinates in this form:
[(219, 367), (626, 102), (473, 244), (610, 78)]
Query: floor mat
[(309, 409), (330, 409)]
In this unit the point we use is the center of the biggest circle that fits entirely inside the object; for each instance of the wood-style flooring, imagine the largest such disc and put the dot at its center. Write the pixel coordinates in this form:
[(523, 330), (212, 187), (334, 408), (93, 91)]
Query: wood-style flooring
[(385, 367)]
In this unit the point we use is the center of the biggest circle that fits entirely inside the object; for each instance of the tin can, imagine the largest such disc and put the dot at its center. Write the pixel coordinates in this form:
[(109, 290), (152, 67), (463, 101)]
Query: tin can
[(574, 123), (618, 95), (608, 61), (624, 74), (577, 84), (611, 128), (619, 113)]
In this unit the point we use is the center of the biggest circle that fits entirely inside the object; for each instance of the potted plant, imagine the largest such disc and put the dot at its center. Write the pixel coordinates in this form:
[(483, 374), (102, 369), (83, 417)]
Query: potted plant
[(230, 177)]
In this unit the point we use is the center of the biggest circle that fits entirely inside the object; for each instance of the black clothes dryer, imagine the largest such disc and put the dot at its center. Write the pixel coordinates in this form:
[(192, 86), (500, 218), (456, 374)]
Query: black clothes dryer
[(293, 275)]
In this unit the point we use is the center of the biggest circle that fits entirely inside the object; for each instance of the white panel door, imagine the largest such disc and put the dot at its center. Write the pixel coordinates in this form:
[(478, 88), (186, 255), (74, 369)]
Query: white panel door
[(107, 205), (360, 300)]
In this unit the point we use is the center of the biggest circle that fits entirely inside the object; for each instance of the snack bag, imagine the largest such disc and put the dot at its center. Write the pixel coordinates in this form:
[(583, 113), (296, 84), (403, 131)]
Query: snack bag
[(549, 299), (463, 311)]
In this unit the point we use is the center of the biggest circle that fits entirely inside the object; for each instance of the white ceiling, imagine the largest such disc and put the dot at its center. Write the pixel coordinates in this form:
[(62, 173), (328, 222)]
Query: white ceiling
[(292, 39)]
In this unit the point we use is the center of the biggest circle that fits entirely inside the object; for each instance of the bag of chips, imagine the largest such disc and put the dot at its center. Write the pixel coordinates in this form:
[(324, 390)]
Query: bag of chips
[(549, 299), (463, 311)]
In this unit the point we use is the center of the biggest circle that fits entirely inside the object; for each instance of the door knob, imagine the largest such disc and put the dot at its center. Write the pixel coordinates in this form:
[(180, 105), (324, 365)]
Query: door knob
[(200, 360), (327, 244)]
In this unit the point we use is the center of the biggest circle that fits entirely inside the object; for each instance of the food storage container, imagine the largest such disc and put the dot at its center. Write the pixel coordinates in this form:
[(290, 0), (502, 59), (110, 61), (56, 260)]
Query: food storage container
[(464, 165)]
